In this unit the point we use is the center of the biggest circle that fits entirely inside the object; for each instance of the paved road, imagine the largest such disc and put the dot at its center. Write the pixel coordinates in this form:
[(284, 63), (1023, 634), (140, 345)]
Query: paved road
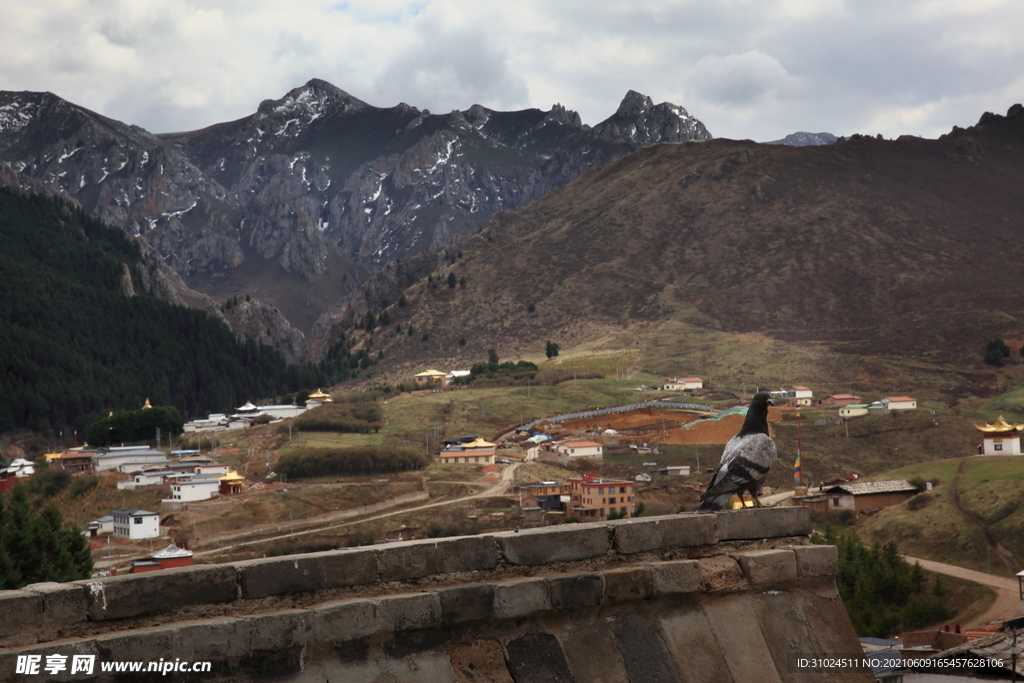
[(1007, 602)]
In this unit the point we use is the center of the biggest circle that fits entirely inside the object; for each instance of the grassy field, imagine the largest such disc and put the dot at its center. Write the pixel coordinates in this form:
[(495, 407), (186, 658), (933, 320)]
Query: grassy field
[(1010, 404), (410, 419), (989, 488), (328, 440)]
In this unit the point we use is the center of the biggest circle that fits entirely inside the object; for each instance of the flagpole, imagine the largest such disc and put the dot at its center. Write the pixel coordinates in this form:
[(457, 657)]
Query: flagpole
[(798, 466)]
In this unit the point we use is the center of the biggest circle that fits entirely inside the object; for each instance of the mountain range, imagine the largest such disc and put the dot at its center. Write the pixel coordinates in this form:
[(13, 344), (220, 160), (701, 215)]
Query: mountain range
[(700, 256), (298, 203)]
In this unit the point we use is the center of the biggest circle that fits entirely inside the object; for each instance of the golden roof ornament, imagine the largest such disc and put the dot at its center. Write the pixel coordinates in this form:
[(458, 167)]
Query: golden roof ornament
[(147, 405), (1000, 426)]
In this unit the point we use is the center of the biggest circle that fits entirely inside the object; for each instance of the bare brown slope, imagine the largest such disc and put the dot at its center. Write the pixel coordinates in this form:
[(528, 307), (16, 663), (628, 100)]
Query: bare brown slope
[(908, 247)]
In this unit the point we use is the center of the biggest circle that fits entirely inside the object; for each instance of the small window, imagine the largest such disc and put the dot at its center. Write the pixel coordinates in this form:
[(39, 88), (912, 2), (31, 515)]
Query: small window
[(138, 520), (835, 502), (998, 445)]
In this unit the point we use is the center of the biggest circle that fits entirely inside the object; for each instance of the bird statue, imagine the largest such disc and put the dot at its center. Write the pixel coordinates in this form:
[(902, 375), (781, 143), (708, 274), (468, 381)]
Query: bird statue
[(746, 460)]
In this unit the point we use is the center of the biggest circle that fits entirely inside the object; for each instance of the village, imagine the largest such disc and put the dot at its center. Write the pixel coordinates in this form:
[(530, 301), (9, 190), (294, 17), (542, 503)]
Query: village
[(593, 465), (578, 441)]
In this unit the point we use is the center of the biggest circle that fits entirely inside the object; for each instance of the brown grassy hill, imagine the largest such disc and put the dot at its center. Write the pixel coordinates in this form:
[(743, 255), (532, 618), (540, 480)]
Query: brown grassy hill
[(883, 249)]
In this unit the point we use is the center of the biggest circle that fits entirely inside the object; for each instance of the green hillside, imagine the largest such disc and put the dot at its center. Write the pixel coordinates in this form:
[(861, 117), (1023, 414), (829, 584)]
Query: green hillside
[(75, 346), (991, 490)]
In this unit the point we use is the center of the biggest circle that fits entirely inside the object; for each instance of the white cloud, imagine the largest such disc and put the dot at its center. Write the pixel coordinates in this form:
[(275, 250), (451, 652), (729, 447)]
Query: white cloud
[(740, 80), (747, 69)]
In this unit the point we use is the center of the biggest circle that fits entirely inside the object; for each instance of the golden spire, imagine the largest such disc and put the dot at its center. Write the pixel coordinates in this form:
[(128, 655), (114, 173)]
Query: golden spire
[(147, 406), (1000, 426)]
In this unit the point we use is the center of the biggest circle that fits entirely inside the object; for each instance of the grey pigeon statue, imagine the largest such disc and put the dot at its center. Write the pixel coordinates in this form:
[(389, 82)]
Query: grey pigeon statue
[(746, 460)]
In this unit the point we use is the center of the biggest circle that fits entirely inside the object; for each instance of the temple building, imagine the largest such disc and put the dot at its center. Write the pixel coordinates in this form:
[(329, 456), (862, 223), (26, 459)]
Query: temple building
[(320, 397), (1001, 438)]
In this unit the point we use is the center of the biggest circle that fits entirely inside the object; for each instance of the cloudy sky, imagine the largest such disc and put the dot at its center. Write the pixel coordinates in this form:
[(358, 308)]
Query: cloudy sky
[(754, 69)]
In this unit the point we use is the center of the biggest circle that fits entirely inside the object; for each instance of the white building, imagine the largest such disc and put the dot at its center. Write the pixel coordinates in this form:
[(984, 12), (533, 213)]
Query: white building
[(581, 449), (684, 384), (140, 480), (894, 403), (854, 410), (21, 468), (799, 394), (136, 524), (1000, 437), (197, 488), (140, 456)]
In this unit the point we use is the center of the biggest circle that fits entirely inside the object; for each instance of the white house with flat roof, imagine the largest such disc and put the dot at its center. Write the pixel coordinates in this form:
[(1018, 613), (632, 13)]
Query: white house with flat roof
[(581, 449), (138, 456), (195, 489), (136, 524)]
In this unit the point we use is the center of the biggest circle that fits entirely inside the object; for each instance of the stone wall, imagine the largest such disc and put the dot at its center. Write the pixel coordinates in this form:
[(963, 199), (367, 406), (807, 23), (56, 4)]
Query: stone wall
[(724, 597)]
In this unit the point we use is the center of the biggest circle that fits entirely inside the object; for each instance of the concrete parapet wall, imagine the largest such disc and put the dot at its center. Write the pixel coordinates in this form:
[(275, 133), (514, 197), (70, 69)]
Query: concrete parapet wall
[(518, 605)]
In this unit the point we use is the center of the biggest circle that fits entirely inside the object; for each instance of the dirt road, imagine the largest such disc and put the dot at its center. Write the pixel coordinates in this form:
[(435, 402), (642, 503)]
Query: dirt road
[(1007, 602), (498, 489)]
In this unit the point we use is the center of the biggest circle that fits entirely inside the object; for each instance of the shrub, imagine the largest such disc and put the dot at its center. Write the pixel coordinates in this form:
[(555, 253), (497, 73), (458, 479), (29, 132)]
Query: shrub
[(360, 460), (82, 485), (361, 416), (919, 501), (49, 482)]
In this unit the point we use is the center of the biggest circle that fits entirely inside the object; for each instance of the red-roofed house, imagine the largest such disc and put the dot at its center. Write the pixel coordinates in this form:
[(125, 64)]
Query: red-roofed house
[(593, 498), (900, 403), (839, 400)]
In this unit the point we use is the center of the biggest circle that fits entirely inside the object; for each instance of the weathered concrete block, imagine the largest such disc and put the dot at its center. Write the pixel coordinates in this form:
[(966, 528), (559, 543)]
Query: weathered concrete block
[(669, 531), (768, 566), (740, 637), (130, 595), (817, 560), (308, 572), (466, 603), (413, 559), (144, 644), (520, 598), (674, 578), (537, 657), (628, 585), (23, 612), (575, 591), (645, 655), (402, 612), (64, 604), (479, 660), (593, 652), (344, 620), (719, 572), (280, 629), (752, 523), (212, 639), (563, 544)]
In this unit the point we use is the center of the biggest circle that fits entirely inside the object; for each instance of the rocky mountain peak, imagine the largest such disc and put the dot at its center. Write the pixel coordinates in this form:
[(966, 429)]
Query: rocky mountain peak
[(567, 117), (638, 122), (805, 139), (317, 184), (633, 105), (315, 99)]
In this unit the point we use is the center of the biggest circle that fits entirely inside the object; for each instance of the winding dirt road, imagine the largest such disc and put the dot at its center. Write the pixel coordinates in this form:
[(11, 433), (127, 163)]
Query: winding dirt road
[(1007, 602), (497, 490)]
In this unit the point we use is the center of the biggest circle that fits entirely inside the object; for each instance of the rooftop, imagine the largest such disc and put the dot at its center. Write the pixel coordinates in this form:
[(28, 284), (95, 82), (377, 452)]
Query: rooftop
[(867, 487)]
